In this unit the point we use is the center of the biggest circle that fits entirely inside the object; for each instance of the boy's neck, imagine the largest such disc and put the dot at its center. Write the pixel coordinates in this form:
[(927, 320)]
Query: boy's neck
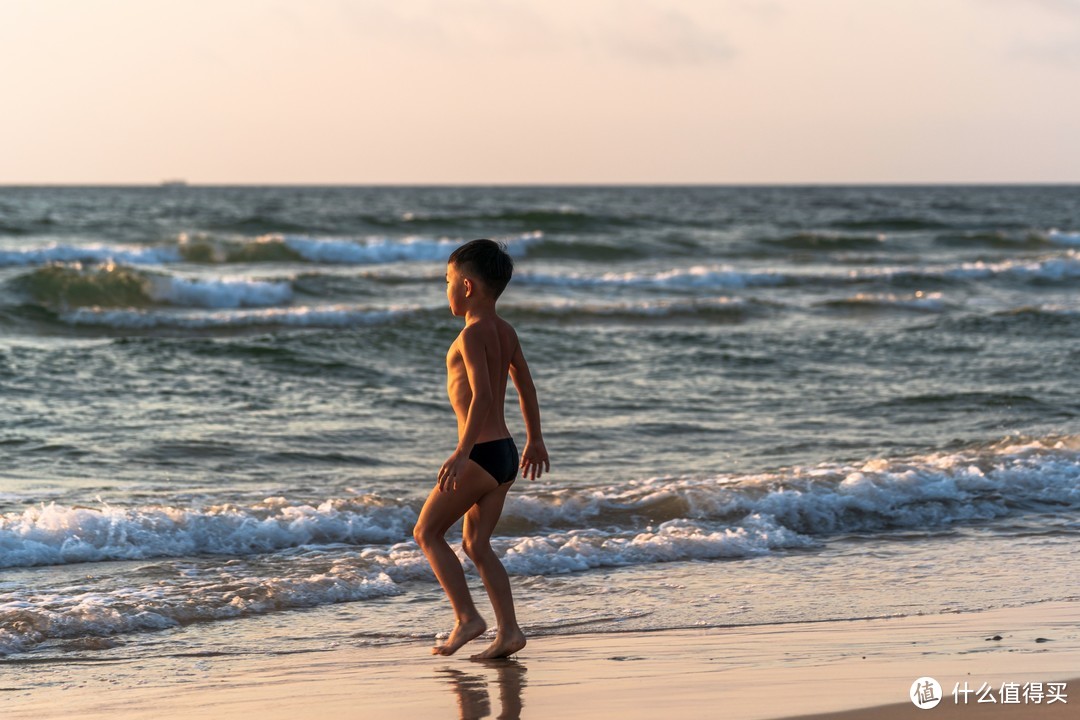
[(480, 311)]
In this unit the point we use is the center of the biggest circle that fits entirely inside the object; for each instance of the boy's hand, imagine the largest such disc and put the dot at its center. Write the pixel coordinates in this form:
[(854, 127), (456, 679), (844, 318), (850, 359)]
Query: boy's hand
[(534, 461), (451, 469)]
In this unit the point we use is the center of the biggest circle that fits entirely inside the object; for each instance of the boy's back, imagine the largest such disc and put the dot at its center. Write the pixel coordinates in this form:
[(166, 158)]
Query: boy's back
[(498, 342)]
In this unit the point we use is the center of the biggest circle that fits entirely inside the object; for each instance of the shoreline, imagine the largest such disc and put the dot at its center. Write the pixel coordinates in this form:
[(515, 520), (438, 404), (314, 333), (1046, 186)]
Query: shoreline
[(861, 668)]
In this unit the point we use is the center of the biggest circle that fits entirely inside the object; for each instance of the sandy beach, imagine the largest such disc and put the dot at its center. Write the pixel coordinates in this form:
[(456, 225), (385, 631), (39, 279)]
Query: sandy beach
[(790, 670)]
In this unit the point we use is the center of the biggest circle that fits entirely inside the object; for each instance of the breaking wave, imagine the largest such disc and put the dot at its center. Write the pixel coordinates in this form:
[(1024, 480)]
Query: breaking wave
[(330, 316), (922, 492), (916, 302), (288, 555), (215, 249), (1056, 268), (109, 286)]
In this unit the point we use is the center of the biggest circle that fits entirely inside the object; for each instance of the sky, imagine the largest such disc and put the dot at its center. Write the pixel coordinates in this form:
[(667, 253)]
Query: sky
[(539, 91)]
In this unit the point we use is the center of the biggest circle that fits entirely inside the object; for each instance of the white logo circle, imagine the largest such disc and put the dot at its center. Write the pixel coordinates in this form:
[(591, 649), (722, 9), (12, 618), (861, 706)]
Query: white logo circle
[(925, 693)]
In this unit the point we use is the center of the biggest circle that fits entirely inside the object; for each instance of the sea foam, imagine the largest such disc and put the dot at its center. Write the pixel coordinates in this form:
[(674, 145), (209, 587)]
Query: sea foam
[(882, 495), (202, 248), (54, 534), (219, 293), (1053, 268), (295, 316), (286, 555)]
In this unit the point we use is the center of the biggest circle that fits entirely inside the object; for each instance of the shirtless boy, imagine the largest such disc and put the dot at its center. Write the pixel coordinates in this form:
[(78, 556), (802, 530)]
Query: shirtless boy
[(476, 477)]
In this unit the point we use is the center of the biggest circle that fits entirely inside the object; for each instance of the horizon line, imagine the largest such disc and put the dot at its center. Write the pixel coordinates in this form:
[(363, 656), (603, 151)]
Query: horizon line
[(183, 184)]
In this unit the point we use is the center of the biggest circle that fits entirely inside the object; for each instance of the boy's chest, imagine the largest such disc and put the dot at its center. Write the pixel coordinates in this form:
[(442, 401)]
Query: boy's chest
[(455, 363)]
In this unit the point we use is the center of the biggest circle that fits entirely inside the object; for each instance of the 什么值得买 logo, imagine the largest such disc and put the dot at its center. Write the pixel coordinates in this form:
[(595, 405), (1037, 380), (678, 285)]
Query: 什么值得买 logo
[(925, 693)]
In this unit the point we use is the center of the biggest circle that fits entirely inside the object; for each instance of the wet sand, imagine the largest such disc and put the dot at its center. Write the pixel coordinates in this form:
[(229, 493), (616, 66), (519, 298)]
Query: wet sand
[(846, 669)]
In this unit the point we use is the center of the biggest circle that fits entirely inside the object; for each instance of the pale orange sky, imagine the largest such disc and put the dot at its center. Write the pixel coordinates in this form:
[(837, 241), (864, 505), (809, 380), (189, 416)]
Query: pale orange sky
[(544, 91)]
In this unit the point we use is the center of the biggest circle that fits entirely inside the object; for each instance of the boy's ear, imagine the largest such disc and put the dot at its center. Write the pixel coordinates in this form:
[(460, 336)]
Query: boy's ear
[(468, 287)]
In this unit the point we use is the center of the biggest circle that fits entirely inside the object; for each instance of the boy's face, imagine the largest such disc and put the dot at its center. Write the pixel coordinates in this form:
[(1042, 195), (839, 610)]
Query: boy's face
[(455, 290)]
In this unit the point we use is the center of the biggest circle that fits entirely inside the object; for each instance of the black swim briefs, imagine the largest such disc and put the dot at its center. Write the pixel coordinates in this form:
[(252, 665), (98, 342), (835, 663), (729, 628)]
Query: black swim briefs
[(498, 457)]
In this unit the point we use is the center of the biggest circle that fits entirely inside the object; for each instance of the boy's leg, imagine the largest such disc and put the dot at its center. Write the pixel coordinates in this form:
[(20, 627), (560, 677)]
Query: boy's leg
[(441, 510), (480, 522)]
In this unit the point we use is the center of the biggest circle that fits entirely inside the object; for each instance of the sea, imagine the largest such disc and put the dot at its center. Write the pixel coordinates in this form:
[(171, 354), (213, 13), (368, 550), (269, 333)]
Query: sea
[(223, 408)]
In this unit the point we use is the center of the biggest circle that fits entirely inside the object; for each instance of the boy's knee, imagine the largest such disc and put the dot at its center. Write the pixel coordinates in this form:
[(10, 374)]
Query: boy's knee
[(475, 547), (423, 535)]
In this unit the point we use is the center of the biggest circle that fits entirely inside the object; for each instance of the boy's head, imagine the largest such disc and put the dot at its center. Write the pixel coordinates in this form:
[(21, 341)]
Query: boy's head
[(485, 261)]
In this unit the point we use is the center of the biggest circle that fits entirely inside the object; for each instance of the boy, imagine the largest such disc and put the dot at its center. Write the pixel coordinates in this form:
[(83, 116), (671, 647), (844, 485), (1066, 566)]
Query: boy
[(476, 477)]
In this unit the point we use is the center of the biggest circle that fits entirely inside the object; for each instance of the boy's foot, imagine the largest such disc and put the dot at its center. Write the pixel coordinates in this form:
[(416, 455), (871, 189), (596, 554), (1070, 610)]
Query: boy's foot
[(461, 634), (504, 646)]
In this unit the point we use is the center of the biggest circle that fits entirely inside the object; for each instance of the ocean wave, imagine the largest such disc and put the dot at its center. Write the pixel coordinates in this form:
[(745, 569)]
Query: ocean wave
[(210, 249), (110, 286), (894, 222), (294, 556), (921, 492), (330, 316), (562, 248), (1043, 319), (1002, 239), (219, 293), (191, 595), (1045, 310), (329, 250), (189, 591), (13, 229), (918, 302), (286, 555), (879, 495), (693, 277), (268, 248), (713, 307), (826, 241), (258, 223), (90, 254), (1059, 237), (558, 219), (54, 534), (1050, 269)]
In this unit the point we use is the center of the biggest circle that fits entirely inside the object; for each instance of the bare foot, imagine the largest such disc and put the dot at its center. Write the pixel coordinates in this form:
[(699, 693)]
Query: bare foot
[(504, 646), (461, 634)]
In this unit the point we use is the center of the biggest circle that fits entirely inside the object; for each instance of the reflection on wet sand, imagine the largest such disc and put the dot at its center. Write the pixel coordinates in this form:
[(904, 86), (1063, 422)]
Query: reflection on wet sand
[(471, 688)]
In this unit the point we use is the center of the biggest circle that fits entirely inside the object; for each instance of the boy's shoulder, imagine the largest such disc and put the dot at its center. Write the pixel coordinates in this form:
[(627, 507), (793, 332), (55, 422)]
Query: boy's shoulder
[(492, 329)]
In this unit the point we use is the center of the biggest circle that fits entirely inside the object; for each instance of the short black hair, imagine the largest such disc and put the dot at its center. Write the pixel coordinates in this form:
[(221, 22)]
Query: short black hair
[(488, 260)]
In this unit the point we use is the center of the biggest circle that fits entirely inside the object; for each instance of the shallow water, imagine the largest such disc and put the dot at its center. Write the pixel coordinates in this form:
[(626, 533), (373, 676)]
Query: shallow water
[(224, 406)]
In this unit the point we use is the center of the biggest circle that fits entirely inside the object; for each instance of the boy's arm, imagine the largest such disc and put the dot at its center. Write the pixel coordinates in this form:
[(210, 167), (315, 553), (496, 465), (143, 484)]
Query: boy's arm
[(534, 460), (474, 356)]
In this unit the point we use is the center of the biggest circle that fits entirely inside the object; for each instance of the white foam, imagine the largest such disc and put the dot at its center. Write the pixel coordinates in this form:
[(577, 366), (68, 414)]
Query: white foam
[(219, 293), (188, 591), (668, 542), (329, 250), (54, 534), (356, 549), (924, 492), (385, 250), (1059, 237), (645, 308), (713, 276), (192, 595), (91, 253), (299, 316), (1052, 268)]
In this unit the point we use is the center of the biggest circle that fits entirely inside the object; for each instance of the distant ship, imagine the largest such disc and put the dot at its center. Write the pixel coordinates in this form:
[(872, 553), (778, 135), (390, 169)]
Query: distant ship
[(173, 183)]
